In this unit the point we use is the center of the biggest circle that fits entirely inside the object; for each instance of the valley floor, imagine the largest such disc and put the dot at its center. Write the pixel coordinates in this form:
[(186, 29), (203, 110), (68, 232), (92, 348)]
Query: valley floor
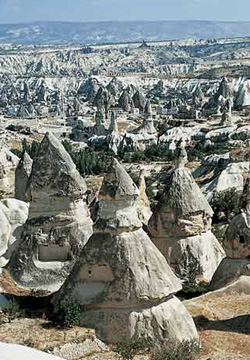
[(222, 319)]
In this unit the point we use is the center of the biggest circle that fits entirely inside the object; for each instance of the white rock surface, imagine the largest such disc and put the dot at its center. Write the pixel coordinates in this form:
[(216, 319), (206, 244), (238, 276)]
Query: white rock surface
[(8, 164), (230, 177), (203, 249), (18, 352), (142, 203), (13, 215)]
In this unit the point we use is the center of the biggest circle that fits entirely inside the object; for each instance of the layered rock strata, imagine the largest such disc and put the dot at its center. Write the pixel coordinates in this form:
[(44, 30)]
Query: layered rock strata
[(122, 280), (58, 224), (181, 227)]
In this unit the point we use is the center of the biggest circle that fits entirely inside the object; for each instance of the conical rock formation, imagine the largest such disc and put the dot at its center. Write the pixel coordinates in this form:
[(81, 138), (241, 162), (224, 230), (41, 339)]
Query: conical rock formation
[(121, 279), (58, 224), (22, 175), (142, 203), (181, 228)]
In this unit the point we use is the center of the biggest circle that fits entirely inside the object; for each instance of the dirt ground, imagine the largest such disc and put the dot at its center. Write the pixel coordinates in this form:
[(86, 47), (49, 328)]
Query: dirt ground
[(223, 322)]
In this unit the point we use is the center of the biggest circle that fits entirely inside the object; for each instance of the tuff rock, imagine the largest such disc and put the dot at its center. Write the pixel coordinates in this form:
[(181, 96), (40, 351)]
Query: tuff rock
[(181, 227), (58, 224), (121, 279)]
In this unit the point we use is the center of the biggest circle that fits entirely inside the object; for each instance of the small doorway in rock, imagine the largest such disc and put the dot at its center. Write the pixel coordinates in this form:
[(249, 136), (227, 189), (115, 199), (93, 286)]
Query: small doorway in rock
[(242, 240)]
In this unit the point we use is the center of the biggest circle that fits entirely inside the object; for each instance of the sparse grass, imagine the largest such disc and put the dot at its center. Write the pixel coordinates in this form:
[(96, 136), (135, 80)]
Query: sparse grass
[(172, 350), (127, 348), (12, 310)]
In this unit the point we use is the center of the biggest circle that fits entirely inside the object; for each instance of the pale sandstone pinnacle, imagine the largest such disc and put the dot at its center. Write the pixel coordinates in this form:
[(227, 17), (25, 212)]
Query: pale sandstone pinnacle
[(117, 184), (181, 228), (22, 175), (113, 123), (182, 157), (148, 109), (142, 203), (121, 278), (58, 224), (117, 196)]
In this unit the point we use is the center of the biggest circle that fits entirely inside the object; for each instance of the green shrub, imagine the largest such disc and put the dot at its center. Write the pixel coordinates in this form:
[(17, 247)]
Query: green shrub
[(87, 161), (127, 349), (152, 153), (29, 149), (226, 202), (138, 156), (16, 152), (198, 151), (188, 268), (185, 350), (149, 188), (12, 310), (69, 313)]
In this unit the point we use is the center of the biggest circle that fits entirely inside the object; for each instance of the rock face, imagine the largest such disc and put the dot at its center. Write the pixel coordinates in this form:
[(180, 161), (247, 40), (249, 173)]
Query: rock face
[(58, 224), (237, 237), (125, 101), (99, 129), (13, 215), (243, 96), (8, 164), (142, 137), (113, 139), (22, 175), (142, 203), (232, 176), (229, 271), (121, 278), (181, 227), (139, 101)]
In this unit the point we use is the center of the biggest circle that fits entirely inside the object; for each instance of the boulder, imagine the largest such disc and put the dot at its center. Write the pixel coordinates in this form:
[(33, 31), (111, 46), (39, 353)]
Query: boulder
[(221, 134), (241, 133), (229, 271)]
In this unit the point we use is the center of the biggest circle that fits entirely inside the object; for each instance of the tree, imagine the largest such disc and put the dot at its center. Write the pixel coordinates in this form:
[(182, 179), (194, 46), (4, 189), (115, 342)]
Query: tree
[(226, 202)]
